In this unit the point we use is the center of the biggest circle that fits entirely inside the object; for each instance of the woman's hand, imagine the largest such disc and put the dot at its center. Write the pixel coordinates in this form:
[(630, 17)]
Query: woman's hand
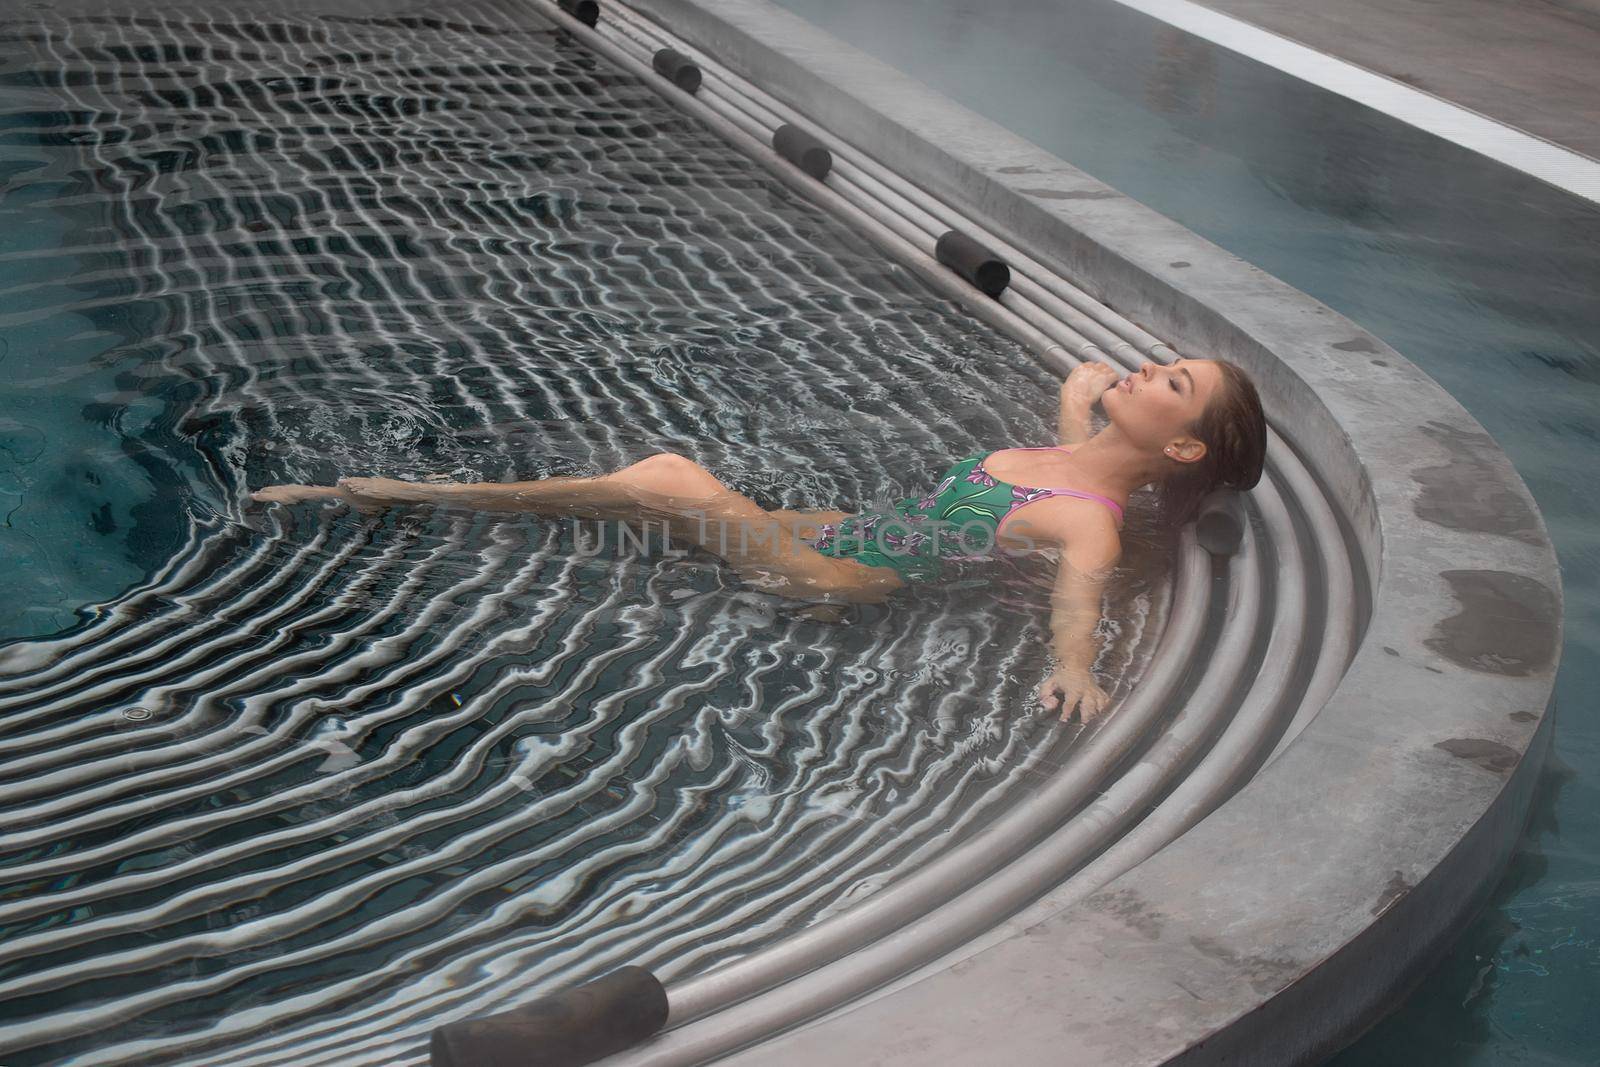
[(1079, 393), (1073, 689), (1086, 383)]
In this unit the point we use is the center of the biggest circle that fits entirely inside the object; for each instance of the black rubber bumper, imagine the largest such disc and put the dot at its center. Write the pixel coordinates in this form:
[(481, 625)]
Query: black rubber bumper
[(572, 1027)]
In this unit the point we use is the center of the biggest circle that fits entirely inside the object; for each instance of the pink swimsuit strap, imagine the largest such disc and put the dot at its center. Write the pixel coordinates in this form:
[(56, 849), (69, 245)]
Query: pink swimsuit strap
[(1050, 492)]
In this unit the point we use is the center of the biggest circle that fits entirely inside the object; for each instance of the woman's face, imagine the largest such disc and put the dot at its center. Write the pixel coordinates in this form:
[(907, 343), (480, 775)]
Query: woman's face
[(1155, 406)]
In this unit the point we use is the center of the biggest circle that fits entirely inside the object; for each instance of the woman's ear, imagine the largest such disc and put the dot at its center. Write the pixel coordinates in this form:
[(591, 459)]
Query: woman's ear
[(1186, 449)]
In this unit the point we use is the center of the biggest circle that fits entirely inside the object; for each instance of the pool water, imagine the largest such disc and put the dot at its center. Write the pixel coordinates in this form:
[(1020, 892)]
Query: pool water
[(293, 785), (1484, 277)]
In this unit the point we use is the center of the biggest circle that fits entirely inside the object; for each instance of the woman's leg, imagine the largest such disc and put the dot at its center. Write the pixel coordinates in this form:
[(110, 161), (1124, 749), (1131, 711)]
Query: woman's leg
[(587, 497), (665, 488)]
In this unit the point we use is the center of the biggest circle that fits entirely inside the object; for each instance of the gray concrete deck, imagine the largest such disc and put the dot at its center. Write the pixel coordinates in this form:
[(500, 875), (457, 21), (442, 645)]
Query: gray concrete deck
[(1532, 64)]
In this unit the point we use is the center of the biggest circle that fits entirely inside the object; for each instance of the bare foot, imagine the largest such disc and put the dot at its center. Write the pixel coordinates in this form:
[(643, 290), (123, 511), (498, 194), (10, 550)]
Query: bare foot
[(294, 494)]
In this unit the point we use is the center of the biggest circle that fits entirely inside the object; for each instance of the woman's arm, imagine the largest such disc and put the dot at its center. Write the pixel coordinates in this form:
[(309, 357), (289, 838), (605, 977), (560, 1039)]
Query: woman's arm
[(1075, 602), (1079, 393)]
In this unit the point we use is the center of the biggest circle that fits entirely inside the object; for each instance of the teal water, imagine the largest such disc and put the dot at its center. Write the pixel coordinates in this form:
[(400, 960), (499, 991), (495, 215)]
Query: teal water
[(1485, 278), (56, 491)]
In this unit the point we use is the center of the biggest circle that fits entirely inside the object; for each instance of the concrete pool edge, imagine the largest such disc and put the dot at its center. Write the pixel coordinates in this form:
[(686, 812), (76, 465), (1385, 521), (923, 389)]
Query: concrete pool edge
[(1442, 714)]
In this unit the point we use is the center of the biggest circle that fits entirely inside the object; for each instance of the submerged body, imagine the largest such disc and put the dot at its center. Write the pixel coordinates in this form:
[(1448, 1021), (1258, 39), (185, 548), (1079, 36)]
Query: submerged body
[(1188, 426), (969, 514)]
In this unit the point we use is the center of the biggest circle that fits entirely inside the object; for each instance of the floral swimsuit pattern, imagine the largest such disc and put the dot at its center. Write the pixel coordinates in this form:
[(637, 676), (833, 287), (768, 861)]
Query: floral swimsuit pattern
[(959, 519)]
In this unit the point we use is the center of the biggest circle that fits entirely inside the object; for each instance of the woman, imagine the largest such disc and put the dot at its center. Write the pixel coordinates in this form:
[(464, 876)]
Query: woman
[(1188, 427)]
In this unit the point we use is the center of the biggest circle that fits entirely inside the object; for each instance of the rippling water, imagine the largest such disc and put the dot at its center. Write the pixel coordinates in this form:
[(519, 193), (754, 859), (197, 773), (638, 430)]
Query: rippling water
[(293, 785)]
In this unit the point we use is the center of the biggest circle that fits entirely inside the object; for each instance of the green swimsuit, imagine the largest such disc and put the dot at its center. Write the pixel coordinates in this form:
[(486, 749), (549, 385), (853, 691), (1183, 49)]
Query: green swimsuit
[(959, 519)]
